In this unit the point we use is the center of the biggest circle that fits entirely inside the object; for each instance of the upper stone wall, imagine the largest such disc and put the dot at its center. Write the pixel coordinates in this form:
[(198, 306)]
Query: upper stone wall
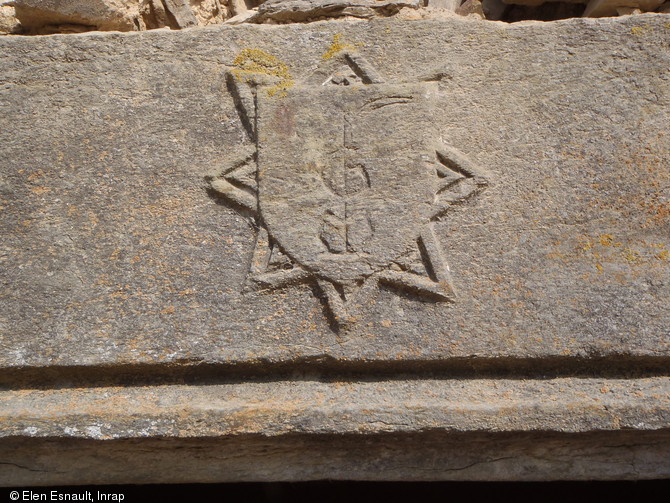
[(41, 17)]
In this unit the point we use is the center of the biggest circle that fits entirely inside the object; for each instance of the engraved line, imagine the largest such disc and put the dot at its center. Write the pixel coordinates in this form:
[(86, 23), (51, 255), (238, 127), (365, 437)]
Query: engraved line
[(434, 252), (387, 101), (336, 304), (458, 162), (346, 131), (235, 194), (244, 104), (363, 69), (420, 284), (280, 279), (262, 252)]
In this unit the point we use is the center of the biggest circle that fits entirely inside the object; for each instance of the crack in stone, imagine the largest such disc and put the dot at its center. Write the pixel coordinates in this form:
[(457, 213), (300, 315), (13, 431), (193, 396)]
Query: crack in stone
[(8, 463)]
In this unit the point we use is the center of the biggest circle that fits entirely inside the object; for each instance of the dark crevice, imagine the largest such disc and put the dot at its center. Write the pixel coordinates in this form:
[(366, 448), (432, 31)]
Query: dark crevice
[(550, 11), (512, 11), (327, 368)]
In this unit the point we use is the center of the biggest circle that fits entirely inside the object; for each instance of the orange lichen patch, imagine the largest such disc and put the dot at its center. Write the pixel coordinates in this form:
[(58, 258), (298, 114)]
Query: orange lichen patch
[(93, 219), (34, 176), (103, 280), (40, 190), (639, 181), (168, 310), (660, 212), (654, 178)]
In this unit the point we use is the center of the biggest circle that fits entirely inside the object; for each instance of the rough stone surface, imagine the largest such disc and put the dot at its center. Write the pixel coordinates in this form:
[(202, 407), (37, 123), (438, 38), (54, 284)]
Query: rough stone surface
[(8, 21), (310, 10), (449, 5), (51, 16), (272, 247), (210, 11), (182, 13), (468, 7), (121, 15)]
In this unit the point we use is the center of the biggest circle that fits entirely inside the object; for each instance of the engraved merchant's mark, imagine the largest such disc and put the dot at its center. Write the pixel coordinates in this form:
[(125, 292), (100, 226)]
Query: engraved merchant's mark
[(347, 225), (345, 180)]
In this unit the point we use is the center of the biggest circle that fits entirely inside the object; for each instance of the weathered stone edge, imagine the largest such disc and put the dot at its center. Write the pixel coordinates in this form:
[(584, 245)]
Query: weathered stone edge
[(651, 19), (533, 456), (566, 405)]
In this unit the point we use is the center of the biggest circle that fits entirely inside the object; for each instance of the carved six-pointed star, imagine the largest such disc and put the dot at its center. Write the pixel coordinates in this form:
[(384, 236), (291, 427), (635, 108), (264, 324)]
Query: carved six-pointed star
[(344, 182)]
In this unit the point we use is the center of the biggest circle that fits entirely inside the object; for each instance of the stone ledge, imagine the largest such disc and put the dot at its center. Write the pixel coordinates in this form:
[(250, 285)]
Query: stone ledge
[(319, 408), (561, 429)]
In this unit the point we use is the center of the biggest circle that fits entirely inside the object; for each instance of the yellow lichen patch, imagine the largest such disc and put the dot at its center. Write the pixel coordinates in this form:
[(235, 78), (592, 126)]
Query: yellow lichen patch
[(605, 249), (336, 47), (606, 239), (253, 63), (639, 30), (630, 255)]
